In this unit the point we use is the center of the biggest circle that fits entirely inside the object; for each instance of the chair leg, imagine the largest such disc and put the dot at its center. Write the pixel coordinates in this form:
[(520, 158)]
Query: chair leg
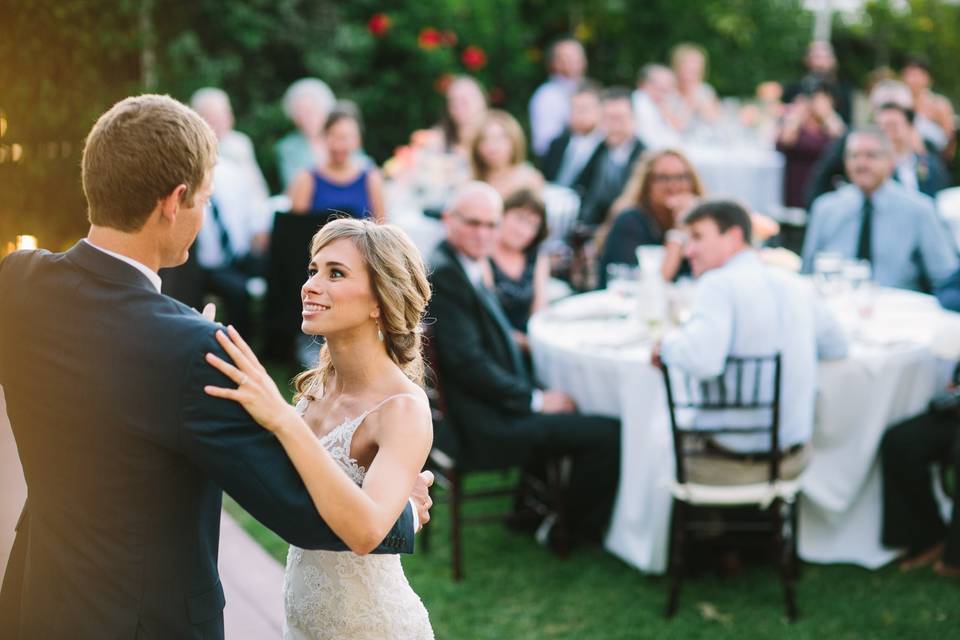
[(784, 541), (456, 532), (676, 568)]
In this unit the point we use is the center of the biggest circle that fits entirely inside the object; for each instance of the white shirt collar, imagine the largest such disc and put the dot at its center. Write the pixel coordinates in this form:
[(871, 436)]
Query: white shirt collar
[(142, 268), (473, 269)]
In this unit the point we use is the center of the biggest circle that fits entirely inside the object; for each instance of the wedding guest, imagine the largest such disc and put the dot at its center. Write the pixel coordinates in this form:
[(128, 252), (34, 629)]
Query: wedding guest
[(663, 187), (821, 66), (656, 123), (307, 103), (830, 171), (911, 514), (935, 117), (520, 272), (571, 151), (745, 308), (604, 177), (498, 155), (916, 167), (343, 183), (807, 130), (880, 220), (695, 101), (464, 112), (213, 105), (550, 104), (502, 417)]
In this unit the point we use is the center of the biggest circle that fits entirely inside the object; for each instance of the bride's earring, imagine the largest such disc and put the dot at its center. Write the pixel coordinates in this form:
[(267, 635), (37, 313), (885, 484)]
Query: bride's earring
[(379, 332)]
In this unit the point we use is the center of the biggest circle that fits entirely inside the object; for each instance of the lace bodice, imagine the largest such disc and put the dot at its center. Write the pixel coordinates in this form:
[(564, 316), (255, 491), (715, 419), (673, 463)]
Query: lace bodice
[(338, 594)]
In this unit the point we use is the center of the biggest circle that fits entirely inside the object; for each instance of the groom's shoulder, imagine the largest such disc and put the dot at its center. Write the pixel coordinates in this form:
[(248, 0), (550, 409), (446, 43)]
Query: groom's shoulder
[(20, 262)]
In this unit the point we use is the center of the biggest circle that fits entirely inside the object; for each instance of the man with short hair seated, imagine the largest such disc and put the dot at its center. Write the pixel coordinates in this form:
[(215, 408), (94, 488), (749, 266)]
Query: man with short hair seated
[(745, 308), (877, 219), (501, 416)]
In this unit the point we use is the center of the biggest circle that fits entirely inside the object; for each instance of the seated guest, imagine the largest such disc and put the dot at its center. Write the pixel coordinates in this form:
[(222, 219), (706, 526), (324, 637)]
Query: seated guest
[(604, 177), (663, 187), (911, 515), (343, 183), (935, 119), (550, 103), (916, 168), (880, 220), (695, 101), (499, 154), (307, 103), (520, 272), (570, 152), (501, 416), (656, 123), (465, 110), (213, 105), (807, 130), (745, 308)]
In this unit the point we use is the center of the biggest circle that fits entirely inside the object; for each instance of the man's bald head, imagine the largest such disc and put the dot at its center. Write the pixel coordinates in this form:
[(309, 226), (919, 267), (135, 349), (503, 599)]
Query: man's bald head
[(472, 218)]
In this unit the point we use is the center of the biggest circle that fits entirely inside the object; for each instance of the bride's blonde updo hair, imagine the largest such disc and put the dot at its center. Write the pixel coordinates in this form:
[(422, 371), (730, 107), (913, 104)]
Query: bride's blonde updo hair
[(399, 282)]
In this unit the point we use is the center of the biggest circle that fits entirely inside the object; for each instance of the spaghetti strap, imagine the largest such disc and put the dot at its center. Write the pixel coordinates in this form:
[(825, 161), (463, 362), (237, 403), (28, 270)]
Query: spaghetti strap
[(363, 415)]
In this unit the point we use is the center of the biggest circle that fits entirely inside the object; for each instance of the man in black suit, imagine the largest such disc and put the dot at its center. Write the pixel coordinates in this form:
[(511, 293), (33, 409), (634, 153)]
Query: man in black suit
[(125, 456), (502, 418), (603, 179), (571, 151)]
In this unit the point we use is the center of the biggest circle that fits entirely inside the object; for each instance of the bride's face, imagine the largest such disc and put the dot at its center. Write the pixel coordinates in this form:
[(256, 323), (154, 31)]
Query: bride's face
[(338, 296)]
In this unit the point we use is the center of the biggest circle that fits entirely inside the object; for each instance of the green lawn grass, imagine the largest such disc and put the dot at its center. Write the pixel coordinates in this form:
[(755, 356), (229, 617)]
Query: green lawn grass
[(514, 589)]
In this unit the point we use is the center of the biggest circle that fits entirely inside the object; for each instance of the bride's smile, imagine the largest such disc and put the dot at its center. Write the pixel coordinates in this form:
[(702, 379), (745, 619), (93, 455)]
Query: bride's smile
[(337, 295)]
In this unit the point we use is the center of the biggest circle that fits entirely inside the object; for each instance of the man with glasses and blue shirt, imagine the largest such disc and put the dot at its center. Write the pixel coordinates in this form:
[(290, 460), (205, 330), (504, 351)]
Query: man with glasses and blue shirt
[(879, 220)]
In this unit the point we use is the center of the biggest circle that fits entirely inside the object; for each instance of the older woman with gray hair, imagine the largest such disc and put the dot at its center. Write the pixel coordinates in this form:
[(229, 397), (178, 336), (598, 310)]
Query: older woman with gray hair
[(307, 103)]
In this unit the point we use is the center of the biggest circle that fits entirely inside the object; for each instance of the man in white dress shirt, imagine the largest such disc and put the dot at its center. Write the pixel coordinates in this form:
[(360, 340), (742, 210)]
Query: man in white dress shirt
[(746, 308), (656, 125), (550, 104)]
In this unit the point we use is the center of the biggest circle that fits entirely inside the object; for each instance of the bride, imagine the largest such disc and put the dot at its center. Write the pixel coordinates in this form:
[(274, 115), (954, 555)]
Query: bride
[(360, 432)]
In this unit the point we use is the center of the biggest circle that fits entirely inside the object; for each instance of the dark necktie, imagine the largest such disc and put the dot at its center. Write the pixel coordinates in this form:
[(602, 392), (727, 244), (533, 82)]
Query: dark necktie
[(864, 248), (496, 311), (222, 232)]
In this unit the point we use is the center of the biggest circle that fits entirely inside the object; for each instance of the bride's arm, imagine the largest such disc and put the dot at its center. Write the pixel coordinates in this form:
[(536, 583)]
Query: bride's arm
[(361, 517)]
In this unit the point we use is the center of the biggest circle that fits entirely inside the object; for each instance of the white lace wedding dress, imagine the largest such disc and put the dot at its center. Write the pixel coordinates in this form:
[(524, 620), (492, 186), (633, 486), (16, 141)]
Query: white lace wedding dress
[(338, 594)]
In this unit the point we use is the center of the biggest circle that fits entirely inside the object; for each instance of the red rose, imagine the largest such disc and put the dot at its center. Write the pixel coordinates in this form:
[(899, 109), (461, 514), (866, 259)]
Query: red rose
[(429, 38), (474, 58), (449, 39), (378, 24)]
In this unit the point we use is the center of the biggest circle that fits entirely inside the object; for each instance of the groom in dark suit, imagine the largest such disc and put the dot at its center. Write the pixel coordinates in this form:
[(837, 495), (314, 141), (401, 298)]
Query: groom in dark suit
[(502, 418), (125, 456)]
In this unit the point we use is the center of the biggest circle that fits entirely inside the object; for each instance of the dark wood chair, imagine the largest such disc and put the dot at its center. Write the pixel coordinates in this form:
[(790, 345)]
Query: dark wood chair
[(450, 463), (751, 387)]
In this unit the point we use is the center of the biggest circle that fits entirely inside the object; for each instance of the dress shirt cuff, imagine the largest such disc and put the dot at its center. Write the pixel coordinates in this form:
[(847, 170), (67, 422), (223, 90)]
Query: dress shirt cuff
[(416, 517), (536, 401)]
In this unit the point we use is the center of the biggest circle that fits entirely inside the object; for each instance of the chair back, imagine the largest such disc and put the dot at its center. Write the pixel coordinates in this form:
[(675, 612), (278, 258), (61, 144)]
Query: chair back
[(445, 436), (743, 400)]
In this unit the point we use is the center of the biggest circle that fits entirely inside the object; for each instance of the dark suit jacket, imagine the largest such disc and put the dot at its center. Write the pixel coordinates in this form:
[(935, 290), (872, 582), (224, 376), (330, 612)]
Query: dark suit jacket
[(596, 198), (126, 457), (483, 390)]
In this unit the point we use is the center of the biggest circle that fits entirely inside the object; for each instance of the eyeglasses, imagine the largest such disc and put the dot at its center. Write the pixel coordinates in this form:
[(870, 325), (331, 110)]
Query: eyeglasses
[(671, 177), (477, 224), (869, 155)]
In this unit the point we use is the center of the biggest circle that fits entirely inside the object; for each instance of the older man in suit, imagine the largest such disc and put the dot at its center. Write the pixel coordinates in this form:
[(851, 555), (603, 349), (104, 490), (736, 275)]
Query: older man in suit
[(500, 414), (125, 456)]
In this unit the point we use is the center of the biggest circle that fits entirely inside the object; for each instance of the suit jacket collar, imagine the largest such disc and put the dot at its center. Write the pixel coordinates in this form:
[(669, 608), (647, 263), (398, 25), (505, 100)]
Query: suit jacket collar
[(446, 248), (107, 267)]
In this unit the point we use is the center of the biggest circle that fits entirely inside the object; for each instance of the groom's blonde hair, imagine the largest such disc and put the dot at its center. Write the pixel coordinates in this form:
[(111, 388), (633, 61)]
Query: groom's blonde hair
[(137, 153), (399, 282)]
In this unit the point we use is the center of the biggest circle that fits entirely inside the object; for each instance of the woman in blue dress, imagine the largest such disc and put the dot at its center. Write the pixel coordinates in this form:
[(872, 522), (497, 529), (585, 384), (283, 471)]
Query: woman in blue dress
[(343, 184)]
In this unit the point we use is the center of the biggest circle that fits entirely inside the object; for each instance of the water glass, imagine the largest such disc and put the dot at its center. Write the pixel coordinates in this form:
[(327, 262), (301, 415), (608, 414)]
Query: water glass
[(828, 273)]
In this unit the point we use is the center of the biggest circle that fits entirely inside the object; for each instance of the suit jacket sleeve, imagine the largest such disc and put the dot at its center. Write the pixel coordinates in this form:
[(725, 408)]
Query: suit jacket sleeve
[(463, 357), (249, 463)]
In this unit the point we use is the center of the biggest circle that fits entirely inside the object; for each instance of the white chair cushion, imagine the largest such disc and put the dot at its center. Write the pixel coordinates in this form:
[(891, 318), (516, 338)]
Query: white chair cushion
[(761, 494)]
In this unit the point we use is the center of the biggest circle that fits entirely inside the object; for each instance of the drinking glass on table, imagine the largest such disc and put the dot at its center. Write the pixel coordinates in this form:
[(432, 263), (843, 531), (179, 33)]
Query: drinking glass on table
[(828, 273), (858, 277)]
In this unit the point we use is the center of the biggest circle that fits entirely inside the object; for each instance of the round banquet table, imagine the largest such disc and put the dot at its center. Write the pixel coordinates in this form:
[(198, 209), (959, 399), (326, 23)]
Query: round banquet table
[(591, 347), (753, 175)]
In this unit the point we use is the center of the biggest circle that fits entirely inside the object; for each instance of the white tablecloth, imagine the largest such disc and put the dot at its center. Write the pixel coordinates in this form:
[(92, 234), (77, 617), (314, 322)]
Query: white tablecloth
[(891, 373), (751, 174)]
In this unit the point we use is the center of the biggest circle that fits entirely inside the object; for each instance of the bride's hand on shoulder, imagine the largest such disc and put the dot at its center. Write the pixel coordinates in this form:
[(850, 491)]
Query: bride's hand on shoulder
[(256, 390)]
